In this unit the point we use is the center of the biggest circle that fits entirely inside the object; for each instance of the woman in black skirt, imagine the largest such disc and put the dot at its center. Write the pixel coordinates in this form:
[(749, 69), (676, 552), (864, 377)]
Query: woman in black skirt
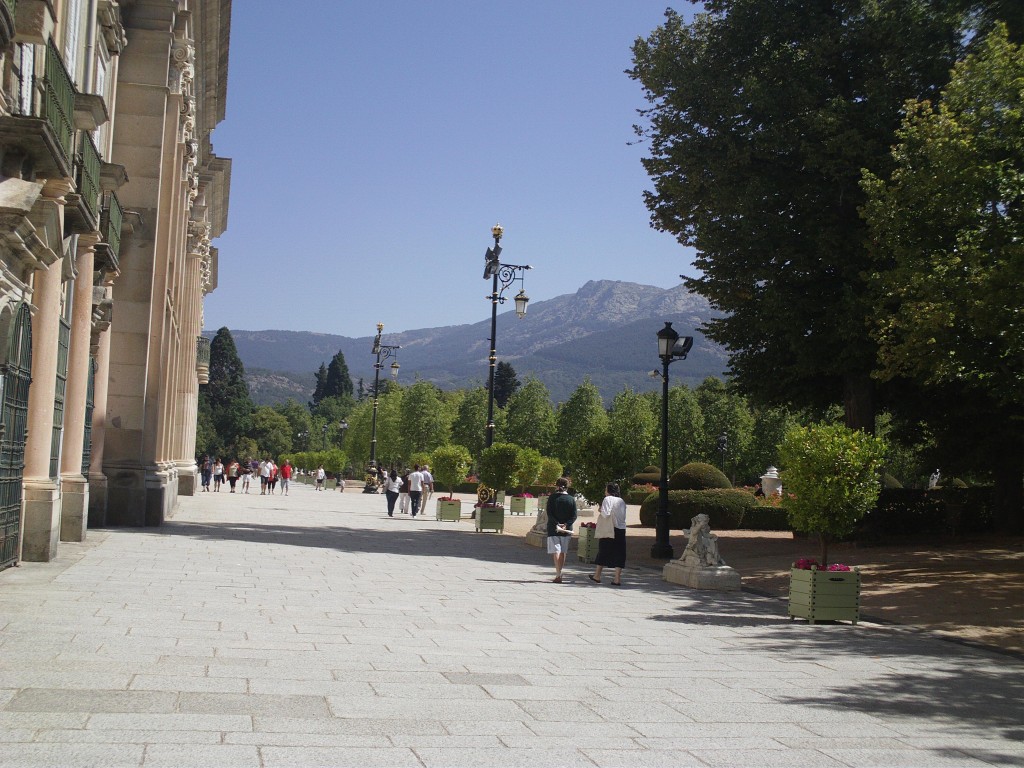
[(611, 552)]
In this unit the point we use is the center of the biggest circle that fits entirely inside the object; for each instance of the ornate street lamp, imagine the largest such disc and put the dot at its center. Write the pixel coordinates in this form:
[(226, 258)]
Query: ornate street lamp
[(325, 438), (502, 276), (343, 426), (383, 352), (670, 348)]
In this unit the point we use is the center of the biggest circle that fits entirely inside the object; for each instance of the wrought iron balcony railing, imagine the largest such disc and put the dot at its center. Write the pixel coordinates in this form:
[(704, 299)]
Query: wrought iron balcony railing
[(88, 177), (59, 99)]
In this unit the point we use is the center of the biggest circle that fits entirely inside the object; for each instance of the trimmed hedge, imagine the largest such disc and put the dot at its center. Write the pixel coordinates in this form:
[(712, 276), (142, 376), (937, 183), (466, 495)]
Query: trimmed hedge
[(725, 507), (697, 476), (649, 475), (637, 495), (764, 517), (934, 512)]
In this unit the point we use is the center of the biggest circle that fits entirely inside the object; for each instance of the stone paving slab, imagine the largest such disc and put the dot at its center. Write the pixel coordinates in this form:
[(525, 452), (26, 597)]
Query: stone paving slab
[(313, 630)]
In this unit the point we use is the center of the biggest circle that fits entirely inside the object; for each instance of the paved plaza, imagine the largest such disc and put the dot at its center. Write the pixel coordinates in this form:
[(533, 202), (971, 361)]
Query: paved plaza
[(312, 630)]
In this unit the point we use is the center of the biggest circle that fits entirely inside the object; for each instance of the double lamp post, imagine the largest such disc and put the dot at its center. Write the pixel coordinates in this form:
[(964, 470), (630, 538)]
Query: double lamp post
[(383, 352), (502, 276)]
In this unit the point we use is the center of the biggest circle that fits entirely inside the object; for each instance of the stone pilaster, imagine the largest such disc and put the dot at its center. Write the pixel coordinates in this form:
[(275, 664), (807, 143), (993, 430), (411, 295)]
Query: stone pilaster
[(74, 485), (97, 479), (41, 498)]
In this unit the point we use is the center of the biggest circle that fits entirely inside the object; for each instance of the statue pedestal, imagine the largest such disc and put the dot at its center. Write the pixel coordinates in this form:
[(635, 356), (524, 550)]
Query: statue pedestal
[(536, 538), (719, 577)]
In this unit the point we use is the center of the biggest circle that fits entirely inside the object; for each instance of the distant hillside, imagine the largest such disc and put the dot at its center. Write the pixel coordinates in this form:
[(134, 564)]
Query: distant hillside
[(606, 330), (272, 387)]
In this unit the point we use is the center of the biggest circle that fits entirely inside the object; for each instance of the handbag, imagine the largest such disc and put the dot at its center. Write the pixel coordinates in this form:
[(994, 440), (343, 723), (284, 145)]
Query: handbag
[(605, 527)]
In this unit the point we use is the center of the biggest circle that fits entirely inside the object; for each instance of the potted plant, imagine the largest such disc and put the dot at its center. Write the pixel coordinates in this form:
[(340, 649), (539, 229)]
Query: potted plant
[(449, 465), (528, 466), (832, 480), (497, 468)]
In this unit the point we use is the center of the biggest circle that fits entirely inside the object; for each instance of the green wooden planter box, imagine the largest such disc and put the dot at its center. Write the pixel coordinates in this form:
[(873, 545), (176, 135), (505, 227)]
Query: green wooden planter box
[(490, 519), (517, 505), (824, 595), (586, 545), (449, 510)]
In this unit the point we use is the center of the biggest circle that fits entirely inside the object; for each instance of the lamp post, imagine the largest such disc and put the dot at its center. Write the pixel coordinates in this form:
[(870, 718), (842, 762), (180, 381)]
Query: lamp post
[(304, 437), (670, 348), (343, 426), (383, 352), (324, 447), (505, 274), (723, 446)]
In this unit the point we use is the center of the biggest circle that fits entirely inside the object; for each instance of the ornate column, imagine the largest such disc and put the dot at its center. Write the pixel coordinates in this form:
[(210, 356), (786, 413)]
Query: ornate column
[(197, 253), (74, 486), (101, 351), (41, 524)]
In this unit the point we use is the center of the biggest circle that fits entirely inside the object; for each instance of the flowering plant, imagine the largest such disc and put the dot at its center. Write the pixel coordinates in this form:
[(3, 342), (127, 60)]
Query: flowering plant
[(447, 498), (809, 563), (588, 525), (523, 496)]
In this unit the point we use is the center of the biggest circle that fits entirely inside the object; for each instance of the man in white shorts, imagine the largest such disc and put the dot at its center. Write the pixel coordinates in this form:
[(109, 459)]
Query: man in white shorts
[(561, 515)]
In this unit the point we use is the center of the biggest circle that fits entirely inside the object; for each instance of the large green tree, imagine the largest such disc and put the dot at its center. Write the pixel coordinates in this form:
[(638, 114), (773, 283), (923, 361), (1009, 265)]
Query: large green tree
[(226, 395), (762, 115), (635, 426), (529, 417), (948, 255), (468, 428), (581, 415), (425, 421)]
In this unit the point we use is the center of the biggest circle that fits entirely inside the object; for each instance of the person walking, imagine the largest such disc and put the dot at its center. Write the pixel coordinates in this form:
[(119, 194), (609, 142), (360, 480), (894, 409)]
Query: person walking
[(611, 535), (218, 475), (233, 474), (246, 475), (206, 471), (403, 495), (320, 477), (391, 491), (428, 486), (264, 477), (415, 488), (286, 476), (272, 479), (561, 515)]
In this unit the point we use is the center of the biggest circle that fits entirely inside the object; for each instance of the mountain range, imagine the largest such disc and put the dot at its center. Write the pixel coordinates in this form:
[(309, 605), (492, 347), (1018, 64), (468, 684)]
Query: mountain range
[(605, 331)]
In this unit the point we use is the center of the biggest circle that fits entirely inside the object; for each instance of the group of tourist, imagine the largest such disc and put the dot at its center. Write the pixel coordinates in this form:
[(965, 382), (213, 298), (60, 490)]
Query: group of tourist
[(266, 470), (411, 490)]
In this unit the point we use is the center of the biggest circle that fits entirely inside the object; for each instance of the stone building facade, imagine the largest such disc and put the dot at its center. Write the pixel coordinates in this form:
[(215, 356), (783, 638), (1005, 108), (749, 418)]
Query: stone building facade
[(110, 196)]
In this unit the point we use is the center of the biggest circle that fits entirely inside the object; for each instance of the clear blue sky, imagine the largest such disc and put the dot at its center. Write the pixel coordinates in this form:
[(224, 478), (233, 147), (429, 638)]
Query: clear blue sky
[(374, 144)]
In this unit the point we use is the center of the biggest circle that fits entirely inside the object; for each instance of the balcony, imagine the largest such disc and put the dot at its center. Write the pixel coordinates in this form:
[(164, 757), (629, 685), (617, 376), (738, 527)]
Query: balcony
[(45, 133), (82, 209), (203, 359), (109, 250)]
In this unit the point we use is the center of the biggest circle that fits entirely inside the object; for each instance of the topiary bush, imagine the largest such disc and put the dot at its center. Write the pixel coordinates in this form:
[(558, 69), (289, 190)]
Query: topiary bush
[(697, 476), (638, 493), (765, 517), (648, 475), (725, 507)]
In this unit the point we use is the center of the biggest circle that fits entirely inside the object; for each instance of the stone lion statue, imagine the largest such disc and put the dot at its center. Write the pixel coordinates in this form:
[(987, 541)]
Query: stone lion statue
[(702, 545)]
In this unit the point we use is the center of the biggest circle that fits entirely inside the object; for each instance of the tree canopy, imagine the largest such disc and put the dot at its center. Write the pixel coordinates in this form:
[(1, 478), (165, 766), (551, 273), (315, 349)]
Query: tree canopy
[(763, 113)]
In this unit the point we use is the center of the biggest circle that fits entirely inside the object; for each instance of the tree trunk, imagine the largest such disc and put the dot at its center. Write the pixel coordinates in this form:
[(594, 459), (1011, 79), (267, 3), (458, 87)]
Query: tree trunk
[(859, 402), (823, 539)]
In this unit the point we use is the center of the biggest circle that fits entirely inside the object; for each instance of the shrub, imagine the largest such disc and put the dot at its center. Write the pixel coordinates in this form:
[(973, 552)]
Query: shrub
[(550, 471), (449, 465), (725, 507), (765, 517), (638, 493), (888, 481), (831, 479), (934, 512), (648, 475), (697, 476), (497, 466)]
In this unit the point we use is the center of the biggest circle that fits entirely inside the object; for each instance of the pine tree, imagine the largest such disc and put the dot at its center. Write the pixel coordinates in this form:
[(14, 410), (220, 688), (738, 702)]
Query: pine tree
[(338, 381), (505, 383), (226, 395)]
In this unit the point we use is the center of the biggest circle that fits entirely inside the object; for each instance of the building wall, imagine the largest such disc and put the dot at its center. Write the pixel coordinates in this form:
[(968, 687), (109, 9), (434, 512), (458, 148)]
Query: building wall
[(110, 432)]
